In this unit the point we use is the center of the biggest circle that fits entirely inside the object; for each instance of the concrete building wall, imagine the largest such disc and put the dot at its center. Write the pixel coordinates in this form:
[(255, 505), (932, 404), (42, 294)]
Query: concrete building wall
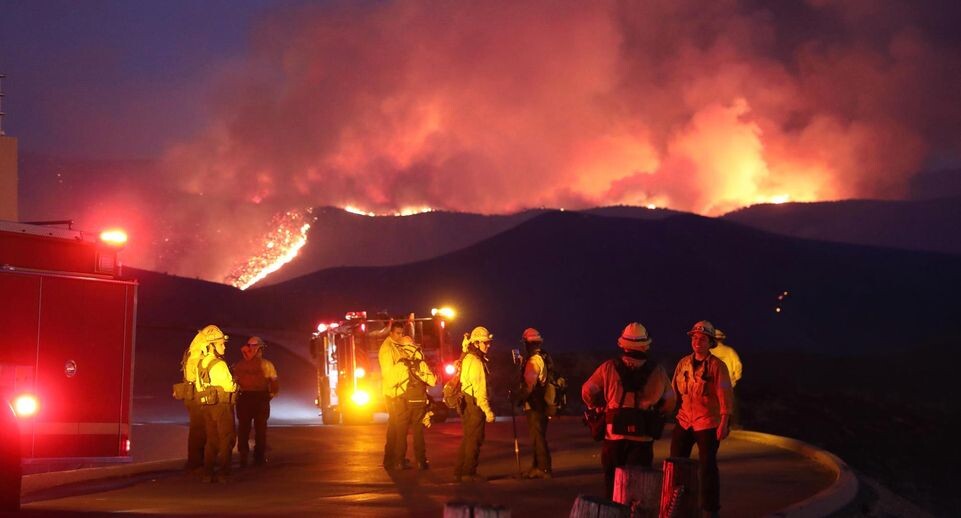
[(8, 178)]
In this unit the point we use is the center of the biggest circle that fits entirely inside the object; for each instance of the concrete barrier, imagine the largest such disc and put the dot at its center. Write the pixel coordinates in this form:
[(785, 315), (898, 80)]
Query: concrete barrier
[(828, 501)]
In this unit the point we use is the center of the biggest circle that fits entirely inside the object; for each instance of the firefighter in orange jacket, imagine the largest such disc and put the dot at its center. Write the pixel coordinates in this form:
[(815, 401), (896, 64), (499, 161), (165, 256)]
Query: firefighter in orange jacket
[(257, 381), (216, 390), (702, 382), (635, 394)]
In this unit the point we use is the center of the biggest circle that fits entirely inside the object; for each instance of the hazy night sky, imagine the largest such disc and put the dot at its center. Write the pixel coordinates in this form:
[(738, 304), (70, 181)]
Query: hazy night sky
[(241, 109)]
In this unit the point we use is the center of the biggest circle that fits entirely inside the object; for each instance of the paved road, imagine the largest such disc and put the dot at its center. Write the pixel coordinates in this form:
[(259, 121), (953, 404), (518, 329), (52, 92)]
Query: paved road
[(335, 471)]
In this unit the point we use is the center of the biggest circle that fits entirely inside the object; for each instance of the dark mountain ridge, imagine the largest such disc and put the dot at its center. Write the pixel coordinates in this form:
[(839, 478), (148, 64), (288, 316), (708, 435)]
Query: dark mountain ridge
[(582, 277), (925, 225)]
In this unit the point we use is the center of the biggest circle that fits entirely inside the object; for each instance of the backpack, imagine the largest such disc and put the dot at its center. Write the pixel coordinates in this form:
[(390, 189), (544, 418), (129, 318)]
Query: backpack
[(635, 421), (554, 389), (452, 394)]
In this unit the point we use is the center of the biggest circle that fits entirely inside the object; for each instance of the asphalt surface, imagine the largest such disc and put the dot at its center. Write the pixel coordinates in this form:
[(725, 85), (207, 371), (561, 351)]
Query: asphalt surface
[(336, 471)]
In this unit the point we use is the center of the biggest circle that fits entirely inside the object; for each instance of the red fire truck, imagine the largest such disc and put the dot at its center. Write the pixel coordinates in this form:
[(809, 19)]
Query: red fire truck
[(68, 319), (348, 370)]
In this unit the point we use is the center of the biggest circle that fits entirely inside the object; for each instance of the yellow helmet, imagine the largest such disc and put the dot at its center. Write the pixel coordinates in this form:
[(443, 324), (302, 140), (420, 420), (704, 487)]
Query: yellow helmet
[(213, 333)]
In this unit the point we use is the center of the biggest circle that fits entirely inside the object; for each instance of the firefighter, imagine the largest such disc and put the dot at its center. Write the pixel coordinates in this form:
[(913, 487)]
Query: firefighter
[(257, 382), (414, 403), (729, 356), (196, 431), (216, 391), (477, 409), (635, 394), (702, 382), (531, 394), (393, 374)]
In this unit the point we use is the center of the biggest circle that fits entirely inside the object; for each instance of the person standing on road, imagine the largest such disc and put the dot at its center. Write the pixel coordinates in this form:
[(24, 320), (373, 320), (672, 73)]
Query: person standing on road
[(635, 394), (534, 371), (393, 375), (702, 382), (414, 403), (477, 409), (729, 356), (257, 381), (196, 431), (217, 392)]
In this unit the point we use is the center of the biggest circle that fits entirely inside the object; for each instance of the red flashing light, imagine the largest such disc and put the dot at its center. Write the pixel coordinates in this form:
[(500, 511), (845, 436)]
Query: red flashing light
[(450, 369)]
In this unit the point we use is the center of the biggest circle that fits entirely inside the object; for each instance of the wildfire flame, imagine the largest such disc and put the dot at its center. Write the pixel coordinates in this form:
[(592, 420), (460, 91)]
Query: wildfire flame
[(404, 211), (279, 247)]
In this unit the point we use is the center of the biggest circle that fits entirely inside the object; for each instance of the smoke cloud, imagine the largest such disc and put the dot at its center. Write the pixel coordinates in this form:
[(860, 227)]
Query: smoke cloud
[(494, 106)]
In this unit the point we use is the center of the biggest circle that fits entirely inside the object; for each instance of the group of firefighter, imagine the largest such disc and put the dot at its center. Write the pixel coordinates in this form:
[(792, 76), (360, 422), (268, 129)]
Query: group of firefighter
[(629, 397), (211, 392)]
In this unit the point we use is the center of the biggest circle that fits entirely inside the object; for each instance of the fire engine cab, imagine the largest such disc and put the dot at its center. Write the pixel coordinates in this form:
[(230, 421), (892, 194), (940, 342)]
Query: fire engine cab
[(348, 370), (68, 320)]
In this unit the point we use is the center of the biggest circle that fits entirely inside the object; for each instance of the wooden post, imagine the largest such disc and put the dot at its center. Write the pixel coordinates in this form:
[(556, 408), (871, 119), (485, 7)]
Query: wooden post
[(471, 510), (639, 488), (680, 491), (595, 507)]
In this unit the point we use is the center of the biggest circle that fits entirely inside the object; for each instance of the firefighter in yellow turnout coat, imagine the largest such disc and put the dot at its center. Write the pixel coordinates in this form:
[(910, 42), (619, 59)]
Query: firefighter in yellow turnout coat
[(393, 373), (477, 409), (413, 403), (216, 391)]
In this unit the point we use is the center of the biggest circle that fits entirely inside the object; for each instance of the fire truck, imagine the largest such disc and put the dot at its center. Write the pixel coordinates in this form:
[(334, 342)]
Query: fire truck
[(348, 370), (68, 321)]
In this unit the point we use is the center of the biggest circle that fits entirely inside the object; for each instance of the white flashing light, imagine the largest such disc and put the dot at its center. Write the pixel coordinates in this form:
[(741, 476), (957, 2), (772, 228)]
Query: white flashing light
[(114, 237), (359, 372), (321, 328), (26, 405), (450, 369), (445, 312)]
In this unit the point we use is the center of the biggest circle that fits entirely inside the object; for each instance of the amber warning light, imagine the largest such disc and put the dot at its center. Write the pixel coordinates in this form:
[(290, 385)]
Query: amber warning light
[(114, 237)]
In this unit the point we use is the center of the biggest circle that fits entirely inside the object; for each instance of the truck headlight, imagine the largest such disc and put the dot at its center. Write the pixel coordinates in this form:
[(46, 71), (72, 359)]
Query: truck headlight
[(360, 397)]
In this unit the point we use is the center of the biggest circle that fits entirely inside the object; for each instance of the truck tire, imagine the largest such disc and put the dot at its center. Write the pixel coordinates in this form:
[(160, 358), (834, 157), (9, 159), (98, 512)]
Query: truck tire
[(330, 416), (10, 468)]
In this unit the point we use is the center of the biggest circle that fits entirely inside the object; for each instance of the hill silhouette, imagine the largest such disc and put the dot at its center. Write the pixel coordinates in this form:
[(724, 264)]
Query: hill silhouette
[(926, 225), (339, 238), (585, 276)]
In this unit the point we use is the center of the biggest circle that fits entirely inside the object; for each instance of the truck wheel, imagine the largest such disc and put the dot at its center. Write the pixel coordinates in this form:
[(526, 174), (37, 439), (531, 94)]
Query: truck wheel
[(10, 470), (330, 416)]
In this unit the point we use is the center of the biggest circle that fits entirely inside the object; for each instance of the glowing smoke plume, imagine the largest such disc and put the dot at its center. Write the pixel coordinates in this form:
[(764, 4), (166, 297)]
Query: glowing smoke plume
[(494, 106)]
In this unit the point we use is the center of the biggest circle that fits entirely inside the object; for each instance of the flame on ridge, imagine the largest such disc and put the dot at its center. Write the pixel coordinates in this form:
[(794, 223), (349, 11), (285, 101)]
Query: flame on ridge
[(404, 211), (278, 248)]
